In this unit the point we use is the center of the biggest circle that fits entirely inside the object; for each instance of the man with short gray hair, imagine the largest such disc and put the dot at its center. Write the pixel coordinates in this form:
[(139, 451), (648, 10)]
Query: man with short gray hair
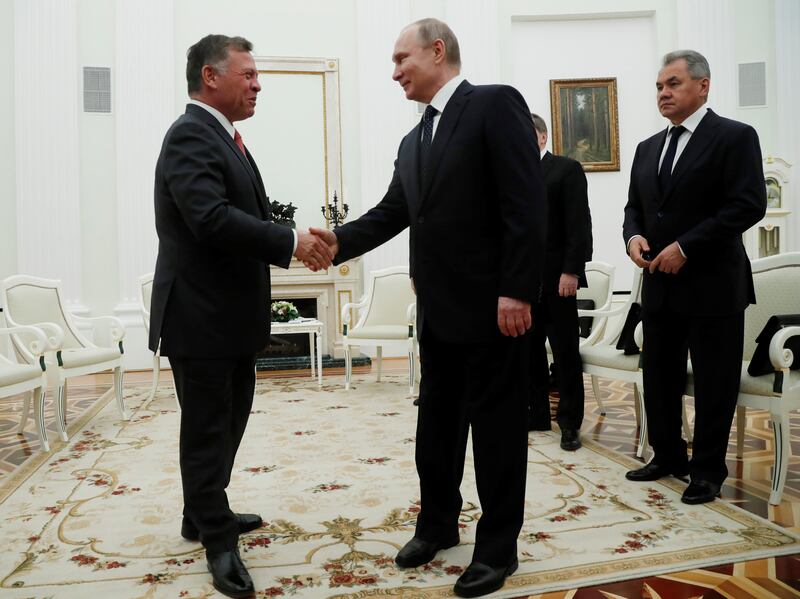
[(695, 188)]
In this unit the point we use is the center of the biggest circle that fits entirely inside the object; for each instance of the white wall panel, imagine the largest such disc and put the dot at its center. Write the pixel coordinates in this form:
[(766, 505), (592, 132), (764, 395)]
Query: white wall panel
[(46, 86)]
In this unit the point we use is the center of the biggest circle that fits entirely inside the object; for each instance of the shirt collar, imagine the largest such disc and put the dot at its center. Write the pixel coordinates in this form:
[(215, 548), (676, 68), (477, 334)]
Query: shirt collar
[(691, 122), (542, 153), (226, 124), (445, 92)]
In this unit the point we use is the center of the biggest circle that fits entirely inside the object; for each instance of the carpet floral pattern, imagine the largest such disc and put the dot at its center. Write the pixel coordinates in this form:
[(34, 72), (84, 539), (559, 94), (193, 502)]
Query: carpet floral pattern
[(332, 473)]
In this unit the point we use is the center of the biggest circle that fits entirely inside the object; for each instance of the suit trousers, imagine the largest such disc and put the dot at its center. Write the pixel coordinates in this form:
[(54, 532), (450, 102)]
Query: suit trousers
[(556, 318), (715, 344), (216, 396), (482, 386)]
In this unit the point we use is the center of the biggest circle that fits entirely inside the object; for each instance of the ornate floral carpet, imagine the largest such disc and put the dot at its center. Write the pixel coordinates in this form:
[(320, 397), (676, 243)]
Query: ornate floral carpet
[(332, 473)]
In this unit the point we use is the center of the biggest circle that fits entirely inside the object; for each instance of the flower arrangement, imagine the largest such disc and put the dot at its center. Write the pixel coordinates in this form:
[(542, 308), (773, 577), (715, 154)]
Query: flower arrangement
[(283, 311)]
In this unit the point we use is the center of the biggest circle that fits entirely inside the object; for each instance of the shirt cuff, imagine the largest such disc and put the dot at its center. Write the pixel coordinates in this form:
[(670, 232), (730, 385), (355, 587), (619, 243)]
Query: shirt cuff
[(680, 249), (628, 244), (294, 247)]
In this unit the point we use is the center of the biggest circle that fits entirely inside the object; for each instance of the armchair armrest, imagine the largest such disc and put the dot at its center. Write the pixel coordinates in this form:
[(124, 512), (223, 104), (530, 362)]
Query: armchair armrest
[(40, 343), (116, 328), (781, 356), (604, 313), (346, 311), (411, 318), (638, 336)]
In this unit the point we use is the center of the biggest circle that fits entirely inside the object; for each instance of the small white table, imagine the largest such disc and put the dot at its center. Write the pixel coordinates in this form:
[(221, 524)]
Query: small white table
[(314, 328)]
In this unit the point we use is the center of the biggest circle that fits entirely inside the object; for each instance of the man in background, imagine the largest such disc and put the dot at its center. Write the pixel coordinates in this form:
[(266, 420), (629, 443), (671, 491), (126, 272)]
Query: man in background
[(569, 246), (467, 183), (695, 188), (211, 292)]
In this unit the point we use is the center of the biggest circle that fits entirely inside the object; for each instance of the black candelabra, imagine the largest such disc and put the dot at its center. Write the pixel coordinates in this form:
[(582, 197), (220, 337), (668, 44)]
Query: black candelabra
[(332, 213)]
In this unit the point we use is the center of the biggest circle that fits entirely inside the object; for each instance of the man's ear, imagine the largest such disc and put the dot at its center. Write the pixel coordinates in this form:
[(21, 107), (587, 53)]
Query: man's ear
[(209, 76), (438, 51)]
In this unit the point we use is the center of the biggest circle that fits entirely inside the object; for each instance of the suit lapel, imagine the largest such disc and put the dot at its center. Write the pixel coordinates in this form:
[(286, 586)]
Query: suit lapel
[(444, 130), (698, 143), (409, 166), (252, 171)]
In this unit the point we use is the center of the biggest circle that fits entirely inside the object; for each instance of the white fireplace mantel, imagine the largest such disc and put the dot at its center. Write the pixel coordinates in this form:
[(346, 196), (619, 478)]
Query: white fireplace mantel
[(332, 289)]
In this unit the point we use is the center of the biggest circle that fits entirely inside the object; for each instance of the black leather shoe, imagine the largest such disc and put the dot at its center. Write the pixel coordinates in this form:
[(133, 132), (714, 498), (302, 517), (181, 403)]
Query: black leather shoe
[(653, 471), (247, 522), (229, 574), (418, 552), (700, 491), (479, 579), (570, 439)]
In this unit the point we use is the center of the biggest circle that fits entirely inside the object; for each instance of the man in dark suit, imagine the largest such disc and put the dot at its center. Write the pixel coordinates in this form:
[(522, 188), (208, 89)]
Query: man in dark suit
[(569, 246), (467, 183), (695, 188), (211, 292)]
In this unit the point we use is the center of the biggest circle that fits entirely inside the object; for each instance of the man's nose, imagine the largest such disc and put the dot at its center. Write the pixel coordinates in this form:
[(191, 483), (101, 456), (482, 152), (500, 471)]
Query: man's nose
[(396, 74)]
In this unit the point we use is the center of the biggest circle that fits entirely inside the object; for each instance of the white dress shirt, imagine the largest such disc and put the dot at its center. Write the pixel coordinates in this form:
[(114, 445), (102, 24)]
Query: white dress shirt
[(228, 126), (442, 97)]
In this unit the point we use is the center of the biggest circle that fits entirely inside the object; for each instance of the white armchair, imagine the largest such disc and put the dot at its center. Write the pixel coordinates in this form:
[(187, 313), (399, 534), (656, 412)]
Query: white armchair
[(387, 317), (600, 289), (30, 379), (35, 301), (777, 281)]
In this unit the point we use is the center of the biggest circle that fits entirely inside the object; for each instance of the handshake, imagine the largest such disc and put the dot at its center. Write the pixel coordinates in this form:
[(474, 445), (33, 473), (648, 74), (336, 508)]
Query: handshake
[(316, 248)]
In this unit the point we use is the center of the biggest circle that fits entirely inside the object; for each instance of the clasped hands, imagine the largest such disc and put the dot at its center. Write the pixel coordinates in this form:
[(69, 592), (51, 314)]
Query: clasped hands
[(316, 248), (669, 260)]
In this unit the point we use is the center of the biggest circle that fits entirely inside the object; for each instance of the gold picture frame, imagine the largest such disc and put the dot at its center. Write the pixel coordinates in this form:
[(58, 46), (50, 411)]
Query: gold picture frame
[(585, 121)]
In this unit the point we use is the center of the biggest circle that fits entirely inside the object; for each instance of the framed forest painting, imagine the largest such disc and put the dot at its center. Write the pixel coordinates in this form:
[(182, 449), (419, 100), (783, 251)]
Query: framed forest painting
[(585, 125)]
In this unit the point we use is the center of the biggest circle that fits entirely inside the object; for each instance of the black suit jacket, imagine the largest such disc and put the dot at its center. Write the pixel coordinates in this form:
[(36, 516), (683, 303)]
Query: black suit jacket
[(477, 226), (716, 193), (569, 222), (211, 292)]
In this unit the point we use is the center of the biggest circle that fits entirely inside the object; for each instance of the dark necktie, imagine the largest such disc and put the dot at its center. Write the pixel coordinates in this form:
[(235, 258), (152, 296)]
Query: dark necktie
[(427, 139), (237, 139), (665, 174)]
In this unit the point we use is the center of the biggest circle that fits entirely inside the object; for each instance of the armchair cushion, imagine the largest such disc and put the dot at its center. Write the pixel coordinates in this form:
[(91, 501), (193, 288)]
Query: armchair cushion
[(761, 364), (752, 385), (626, 340), (609, 357), (382, 331), (11, 374), (73, 358)]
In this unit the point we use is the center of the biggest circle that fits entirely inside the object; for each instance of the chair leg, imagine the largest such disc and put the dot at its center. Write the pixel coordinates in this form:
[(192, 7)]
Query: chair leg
[(123, 411), (687, 430), (156, 376), (379, 359), (597, 397), (61, 410), (783, 451), (741, 424), (26, 407), (348, 367), (596, 389), (639, 399), (38, 403), (412, 363)]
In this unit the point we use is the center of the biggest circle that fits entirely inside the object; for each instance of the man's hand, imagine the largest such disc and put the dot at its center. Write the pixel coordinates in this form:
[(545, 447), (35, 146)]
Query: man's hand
[(635, 248), (313, 251), (513, 316), (329, 237), (670, 260), (567, 285)]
